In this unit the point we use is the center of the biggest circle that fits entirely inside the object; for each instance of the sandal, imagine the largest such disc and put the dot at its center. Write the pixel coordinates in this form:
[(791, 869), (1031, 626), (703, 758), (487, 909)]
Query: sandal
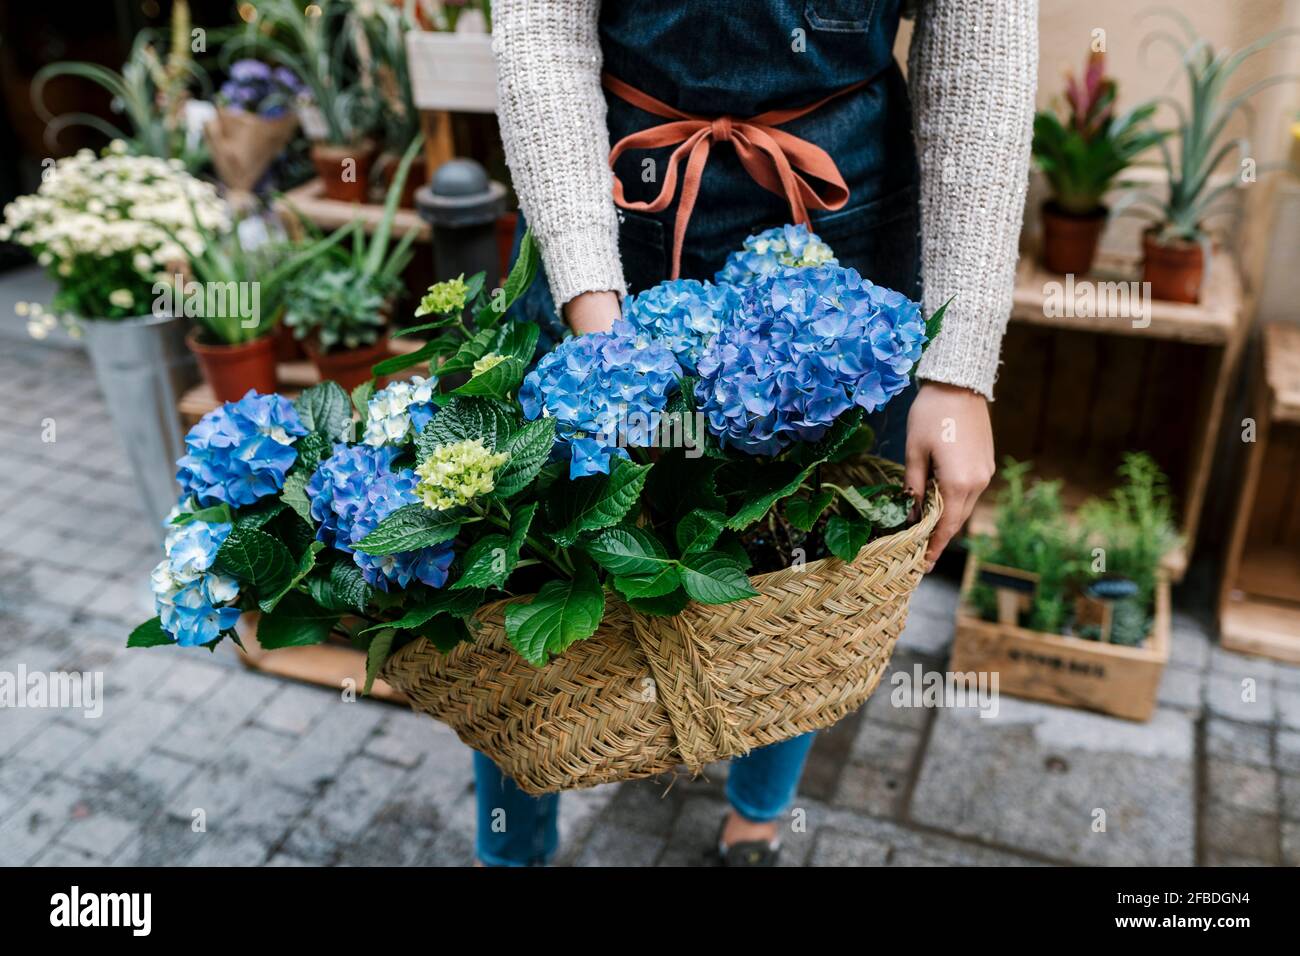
[(745, 852)]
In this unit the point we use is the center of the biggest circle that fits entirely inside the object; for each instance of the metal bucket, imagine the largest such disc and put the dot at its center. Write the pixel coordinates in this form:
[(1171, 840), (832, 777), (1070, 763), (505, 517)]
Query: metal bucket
[(143, 367)]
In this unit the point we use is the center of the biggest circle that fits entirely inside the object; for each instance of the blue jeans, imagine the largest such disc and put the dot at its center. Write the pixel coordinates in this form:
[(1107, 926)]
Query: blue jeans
[(515, 829)]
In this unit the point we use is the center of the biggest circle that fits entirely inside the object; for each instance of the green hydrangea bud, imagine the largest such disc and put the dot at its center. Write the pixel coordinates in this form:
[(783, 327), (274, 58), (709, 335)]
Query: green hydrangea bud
[(444, 297), (455, 473), (491, 360)]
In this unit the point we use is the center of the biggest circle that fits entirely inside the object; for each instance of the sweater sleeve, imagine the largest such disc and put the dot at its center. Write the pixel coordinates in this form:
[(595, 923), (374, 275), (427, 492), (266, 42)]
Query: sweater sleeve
[(552, 113), (972, 73)]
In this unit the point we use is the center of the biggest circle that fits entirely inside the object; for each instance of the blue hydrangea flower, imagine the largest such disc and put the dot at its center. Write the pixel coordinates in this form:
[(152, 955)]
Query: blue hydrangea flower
[(683, 314), (240, 452), (773, 250), (805, 347), (399, 411), (605, 391), (351, 492), (192, 600)]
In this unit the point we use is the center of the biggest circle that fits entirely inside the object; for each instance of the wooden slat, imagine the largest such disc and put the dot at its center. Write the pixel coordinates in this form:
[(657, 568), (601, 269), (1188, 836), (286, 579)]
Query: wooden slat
[(308, 200), (1252, 626), (1282, 369)]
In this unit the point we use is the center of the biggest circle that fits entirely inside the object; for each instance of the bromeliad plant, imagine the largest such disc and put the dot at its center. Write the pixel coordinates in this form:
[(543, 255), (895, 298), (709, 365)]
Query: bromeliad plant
[(498, 475)]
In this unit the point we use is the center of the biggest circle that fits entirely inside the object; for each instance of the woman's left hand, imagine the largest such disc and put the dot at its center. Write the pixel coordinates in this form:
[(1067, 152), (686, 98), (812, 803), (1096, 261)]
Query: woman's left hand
[(950, 439)]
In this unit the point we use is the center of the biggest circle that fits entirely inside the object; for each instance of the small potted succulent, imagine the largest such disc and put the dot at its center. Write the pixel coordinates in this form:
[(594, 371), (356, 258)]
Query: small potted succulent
[(1081, 156), (339, 307), (256, 118), (311, 41), (1176, 247)]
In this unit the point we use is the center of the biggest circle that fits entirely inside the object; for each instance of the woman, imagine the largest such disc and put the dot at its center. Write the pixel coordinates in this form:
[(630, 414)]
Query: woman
[(725, 119)]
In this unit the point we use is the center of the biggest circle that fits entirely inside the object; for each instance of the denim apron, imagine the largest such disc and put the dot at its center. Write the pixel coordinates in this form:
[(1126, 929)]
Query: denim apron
[(742, 58)]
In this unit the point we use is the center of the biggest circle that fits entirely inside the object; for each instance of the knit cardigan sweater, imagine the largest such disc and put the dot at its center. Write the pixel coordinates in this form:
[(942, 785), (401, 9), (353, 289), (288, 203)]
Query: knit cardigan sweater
[(972, 70)]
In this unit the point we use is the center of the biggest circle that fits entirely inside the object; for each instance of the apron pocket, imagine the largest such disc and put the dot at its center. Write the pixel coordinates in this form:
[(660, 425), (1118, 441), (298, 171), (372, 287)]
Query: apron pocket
[(880, 238), (840, 16), (642, 248)]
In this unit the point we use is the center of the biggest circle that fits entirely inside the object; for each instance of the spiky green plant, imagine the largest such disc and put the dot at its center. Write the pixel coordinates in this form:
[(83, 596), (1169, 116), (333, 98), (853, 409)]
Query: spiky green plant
[(1201, 128), (1082, 155), (150, 92)]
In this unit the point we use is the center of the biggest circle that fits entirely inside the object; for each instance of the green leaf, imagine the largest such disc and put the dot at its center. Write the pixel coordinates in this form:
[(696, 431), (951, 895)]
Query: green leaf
[(445, 632), (469, 352), (934, 324), (884, 506), (595, 502), (257, 559), (361, 396), (348, 585), (217, 514), (562, 612), (312, 448), (802, 513), (497, 382), (528, 448), (453, 603), (517, 340), (699, 530), (517, 282), (377, 655), (626, 550), (296, 621), (294, 495), (304, 568), (666, 580), (492, 558), (326, 410), (665, 605), (859, 443), (410, 528), (712, 577), (466, 417), (259, 514), (150, 634), (395, 363), (846, 536)]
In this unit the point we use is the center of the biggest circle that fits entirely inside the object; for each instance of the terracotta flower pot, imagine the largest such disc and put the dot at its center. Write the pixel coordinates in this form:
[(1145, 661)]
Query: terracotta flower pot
[(1070, 240), (232, 370), (1175, 269), (387, 165), (287, 347), (343, 181), (348, 367)]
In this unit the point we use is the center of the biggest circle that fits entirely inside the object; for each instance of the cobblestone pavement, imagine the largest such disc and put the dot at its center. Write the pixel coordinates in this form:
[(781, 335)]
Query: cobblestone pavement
[(288, 774)]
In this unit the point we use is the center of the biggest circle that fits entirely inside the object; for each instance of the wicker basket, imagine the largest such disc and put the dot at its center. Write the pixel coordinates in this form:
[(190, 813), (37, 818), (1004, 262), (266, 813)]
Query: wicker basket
[(645, 694)]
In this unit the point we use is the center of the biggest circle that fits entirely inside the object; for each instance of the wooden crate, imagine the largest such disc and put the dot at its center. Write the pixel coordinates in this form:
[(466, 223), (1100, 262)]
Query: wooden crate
[(1075, 393), (336, 665), (1109, 678), (1259, 604)]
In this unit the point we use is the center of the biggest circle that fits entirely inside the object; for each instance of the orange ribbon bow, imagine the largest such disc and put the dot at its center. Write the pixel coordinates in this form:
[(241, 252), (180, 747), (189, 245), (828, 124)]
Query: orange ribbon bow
[(773, 158)]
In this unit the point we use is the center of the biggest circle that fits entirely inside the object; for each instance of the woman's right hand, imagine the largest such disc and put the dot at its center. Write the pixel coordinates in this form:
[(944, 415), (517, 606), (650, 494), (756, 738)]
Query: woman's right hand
[(592, 312)]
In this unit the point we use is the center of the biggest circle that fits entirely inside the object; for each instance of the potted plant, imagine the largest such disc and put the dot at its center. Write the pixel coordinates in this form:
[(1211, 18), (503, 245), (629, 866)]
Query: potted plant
[(339, 307), (256, 118), (381, 30), (1072, 609), (744, 584), (1081, 156), (1176, 247), (313, 42), (104, 228), (237, 297)]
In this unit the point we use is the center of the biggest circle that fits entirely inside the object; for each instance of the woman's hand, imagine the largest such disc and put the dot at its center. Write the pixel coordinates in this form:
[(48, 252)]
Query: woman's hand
[(592, 312), (949, 438)]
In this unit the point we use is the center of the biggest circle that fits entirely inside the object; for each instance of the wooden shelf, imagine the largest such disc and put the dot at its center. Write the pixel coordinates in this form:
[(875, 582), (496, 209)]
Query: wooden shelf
[(1259, 604), (308, 200), (1214, 320)]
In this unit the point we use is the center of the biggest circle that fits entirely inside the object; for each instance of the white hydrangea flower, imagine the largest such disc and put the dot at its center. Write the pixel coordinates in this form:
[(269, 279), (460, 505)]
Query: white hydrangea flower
[(388, 417)]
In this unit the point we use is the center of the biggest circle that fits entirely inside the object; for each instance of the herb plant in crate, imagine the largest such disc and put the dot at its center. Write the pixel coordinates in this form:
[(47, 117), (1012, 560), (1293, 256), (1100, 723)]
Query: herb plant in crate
[(1081, 156), (678, 520), (340, 304)]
